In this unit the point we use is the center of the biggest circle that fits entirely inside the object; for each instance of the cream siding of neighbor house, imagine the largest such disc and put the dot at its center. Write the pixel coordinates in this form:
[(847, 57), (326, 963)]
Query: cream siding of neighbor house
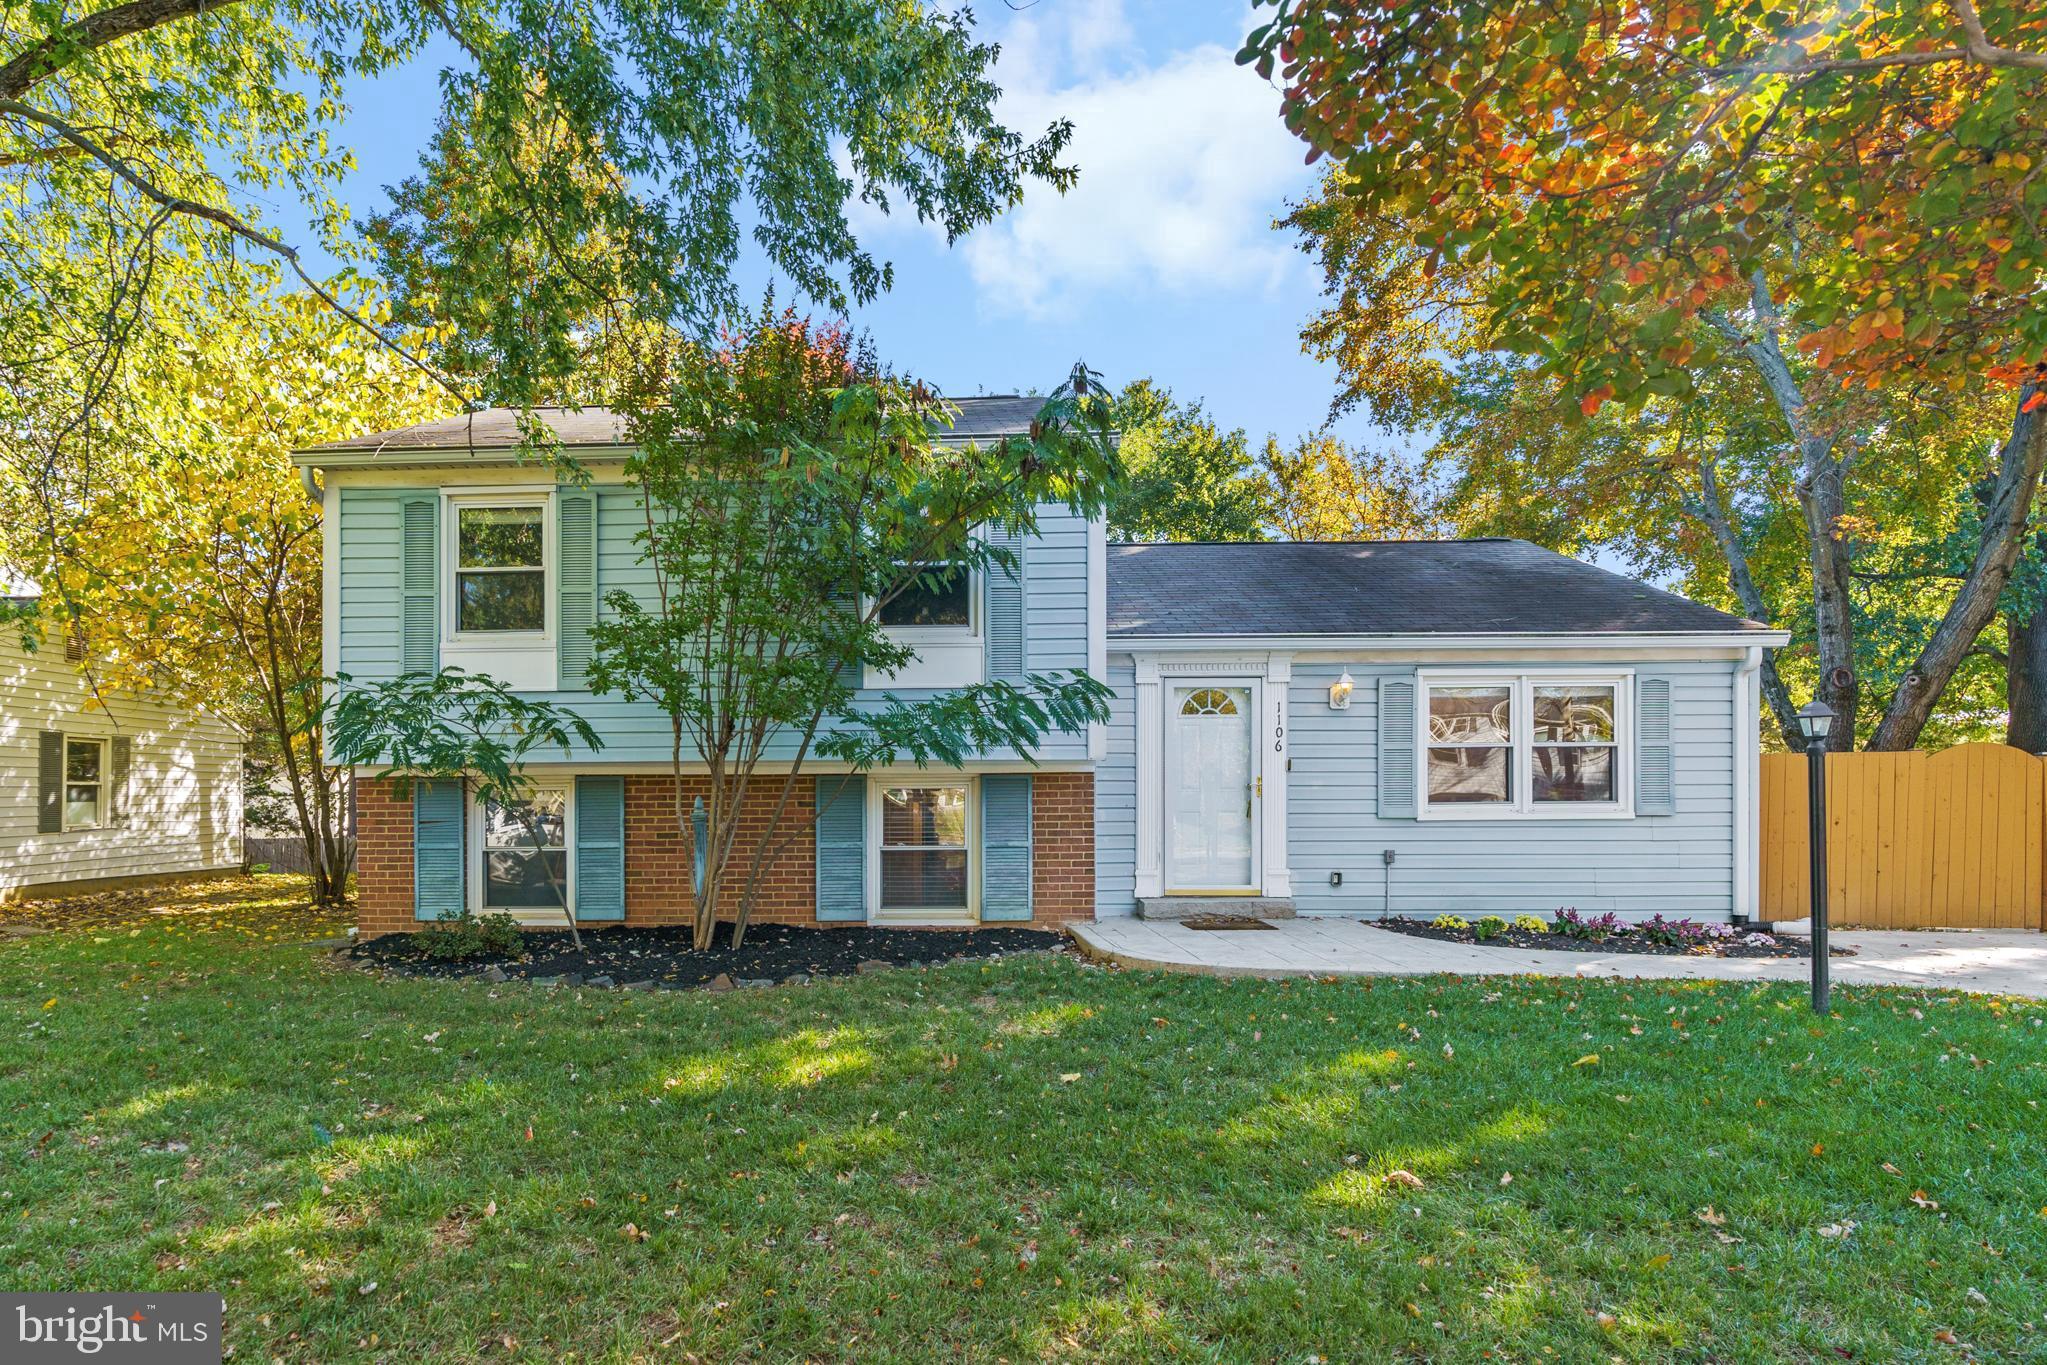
[(184, 794)]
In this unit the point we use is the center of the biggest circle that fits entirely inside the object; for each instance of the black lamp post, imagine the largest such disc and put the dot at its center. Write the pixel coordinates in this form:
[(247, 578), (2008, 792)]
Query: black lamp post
[(1816, 722)]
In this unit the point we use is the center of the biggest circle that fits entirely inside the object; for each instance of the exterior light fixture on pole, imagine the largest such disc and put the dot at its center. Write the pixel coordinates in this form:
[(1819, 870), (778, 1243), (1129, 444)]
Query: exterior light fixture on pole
[(1816, 723), (1339, 692)]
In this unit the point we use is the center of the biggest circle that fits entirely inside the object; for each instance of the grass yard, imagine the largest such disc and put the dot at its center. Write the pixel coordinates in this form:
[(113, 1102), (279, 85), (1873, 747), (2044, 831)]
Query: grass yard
[(1027, 1160)]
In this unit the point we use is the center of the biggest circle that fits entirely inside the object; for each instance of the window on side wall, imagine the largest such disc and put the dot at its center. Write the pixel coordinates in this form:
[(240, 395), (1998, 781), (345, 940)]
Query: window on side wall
[(500, 568), (515, 875), (1534, 745), (85, 783), (923, 850)]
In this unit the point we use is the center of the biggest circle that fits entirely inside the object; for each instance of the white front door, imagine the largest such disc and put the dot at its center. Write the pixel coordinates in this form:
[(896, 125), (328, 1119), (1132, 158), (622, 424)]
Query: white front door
[(1211, 792)]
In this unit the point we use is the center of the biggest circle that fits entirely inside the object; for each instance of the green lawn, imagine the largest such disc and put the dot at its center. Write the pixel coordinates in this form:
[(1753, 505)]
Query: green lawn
[(1028, 1160)]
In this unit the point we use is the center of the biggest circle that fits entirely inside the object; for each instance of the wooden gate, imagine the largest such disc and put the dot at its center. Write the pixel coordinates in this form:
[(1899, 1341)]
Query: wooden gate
[(1914, 840)]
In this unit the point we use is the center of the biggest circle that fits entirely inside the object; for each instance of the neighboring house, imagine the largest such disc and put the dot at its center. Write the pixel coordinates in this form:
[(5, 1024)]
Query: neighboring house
[(97, 796), (1410, 727)]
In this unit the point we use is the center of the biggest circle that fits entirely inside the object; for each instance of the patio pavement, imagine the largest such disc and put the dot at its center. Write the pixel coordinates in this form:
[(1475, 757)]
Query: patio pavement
[(2001, 962)]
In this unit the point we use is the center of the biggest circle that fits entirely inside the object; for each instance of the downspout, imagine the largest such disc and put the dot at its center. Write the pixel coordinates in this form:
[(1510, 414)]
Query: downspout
[(1748, 742)]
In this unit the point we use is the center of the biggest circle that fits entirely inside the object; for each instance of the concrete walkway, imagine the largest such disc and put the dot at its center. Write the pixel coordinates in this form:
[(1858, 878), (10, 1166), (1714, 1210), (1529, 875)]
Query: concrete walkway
[(2001, 962)]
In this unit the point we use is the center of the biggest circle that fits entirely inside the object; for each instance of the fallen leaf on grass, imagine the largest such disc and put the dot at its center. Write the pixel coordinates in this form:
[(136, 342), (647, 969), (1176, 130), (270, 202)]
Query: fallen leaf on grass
[(1889, 1169), (1068, 1077), (1589, 1059), (1657, 1262), (631, 1232), (1920, 1198), (1405, 1178), (1711, 1218), (1840, 1229), (1506, 1177)]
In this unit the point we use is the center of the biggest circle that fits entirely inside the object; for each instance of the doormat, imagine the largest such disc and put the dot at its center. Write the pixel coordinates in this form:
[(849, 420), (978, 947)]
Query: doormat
[(1223, 922)]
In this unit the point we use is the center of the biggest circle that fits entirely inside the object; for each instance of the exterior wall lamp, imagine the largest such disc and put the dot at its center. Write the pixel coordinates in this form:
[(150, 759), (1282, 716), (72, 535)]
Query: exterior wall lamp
[(1339, 692)]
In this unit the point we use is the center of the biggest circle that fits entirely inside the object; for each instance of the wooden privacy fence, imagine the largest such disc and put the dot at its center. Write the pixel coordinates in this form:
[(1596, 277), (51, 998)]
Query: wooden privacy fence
[(1914, 840)]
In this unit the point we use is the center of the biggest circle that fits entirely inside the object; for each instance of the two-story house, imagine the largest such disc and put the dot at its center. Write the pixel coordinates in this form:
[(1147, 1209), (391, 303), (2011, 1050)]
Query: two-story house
[(1403, 727)]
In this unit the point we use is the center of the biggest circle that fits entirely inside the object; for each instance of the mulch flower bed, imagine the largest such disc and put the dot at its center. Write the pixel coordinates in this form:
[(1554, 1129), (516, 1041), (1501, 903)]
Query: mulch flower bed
[(1628, 941), (661, 958)]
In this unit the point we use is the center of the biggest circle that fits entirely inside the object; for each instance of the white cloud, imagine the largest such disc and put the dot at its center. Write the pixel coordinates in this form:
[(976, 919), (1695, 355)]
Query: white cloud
[(1183, 166)]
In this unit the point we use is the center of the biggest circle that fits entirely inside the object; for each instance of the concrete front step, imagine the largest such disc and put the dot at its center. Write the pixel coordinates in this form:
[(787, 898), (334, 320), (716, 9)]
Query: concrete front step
[(1189, 907)]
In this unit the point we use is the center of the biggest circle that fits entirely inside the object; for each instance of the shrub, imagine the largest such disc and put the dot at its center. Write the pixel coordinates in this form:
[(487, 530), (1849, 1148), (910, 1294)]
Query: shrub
[(469, 935), (1453, 923), (1529, 924), (1492, 926), (258, 869), (1597, 929)]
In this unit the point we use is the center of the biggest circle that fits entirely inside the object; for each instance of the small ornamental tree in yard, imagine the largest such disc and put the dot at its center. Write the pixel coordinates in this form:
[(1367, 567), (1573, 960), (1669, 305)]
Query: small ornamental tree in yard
[(460, 727), (795, 496)]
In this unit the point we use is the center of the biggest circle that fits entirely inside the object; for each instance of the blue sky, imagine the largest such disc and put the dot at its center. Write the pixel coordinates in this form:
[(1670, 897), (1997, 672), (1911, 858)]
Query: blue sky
[(1161, 262)]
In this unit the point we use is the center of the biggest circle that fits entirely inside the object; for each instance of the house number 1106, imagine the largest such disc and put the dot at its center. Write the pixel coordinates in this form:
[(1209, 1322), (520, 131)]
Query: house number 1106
[(1279, 727)]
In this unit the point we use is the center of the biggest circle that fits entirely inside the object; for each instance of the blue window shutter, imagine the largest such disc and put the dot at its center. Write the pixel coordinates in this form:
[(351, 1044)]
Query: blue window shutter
[(1655, 756), (420, 574), (842, 848), (1006, 846), (437, 850), (1397, 797), (1004, 600), (600, 848), (576, 573), (849, 672)]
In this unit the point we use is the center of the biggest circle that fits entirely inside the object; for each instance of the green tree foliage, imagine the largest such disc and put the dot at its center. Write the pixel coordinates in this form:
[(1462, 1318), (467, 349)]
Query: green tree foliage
[(793, 492), (1184, 477), (1187, 479)]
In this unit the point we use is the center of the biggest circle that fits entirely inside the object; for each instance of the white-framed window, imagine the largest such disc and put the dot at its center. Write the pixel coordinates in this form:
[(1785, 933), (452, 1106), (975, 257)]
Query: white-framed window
[(500, 567), (939, 603), (1533, 745), (922, 841), (511, 874), (85, 783)]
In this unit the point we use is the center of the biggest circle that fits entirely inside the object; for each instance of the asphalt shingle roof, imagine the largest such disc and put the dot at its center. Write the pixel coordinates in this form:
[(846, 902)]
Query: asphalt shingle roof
[(495, 428), (1391, 587)]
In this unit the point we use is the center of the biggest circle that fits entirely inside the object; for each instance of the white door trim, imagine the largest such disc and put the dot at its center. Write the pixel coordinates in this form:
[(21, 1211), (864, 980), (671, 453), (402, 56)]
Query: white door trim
[(1271, 738)]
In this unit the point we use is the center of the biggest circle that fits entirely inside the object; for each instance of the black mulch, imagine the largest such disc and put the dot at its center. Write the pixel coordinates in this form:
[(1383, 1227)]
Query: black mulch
[(663, 956), (1614, 943)]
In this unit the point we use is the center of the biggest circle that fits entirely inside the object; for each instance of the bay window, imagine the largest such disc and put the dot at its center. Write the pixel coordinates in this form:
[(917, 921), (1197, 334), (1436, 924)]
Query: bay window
[(1497, 745)]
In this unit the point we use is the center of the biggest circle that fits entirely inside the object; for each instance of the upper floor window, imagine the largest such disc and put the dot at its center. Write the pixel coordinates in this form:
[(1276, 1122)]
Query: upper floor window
[(1524, 744), (941, 596), (500, 567)]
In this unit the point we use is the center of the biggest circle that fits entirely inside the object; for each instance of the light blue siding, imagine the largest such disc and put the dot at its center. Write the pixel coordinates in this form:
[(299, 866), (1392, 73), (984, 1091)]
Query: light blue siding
[(1679, 864), (1055, 613), (1116, 798)]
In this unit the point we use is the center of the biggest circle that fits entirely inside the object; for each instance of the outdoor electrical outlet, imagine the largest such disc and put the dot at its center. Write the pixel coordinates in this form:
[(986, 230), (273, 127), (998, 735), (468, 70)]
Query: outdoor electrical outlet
[(1386, 857), (1336, 879)]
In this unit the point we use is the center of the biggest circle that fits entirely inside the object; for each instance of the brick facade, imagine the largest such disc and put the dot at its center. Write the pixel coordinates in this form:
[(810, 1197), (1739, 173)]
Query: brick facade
[(658, 855)]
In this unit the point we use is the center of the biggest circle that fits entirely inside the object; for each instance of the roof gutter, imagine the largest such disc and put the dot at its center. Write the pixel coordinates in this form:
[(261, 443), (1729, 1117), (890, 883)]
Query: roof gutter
[(1727, 639)]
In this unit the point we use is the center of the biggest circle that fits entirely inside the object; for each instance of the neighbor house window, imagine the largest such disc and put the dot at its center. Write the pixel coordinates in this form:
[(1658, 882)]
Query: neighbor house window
[(501, 568), (516, 874), (85, 783), (942, 595), (924, 849), (1524, 744)]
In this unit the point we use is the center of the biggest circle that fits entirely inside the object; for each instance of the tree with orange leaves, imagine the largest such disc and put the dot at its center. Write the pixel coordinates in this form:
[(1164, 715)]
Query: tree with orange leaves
[(1843, 199)]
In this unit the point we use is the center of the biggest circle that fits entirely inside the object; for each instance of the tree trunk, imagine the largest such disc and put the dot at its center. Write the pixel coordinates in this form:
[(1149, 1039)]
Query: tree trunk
[(2006, 509), (1712, 509), (1821, 497), (2025, 676)]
